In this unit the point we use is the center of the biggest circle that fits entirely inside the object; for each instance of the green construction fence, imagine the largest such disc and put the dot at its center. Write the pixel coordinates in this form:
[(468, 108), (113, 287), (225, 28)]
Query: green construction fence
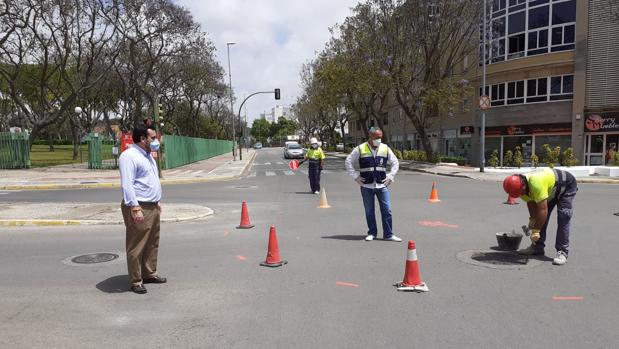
[(14, 150), (179, 150)]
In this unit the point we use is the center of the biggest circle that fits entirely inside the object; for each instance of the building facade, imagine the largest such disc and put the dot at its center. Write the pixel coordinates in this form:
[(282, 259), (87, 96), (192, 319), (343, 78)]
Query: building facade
[(552, 78)]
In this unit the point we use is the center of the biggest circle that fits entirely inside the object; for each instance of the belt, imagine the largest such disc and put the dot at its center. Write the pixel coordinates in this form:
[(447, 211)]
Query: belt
[(145, 203)]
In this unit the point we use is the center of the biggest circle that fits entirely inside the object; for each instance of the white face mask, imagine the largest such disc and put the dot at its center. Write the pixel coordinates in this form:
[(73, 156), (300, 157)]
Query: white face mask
[(314, 146), (377, 142), (154, 145)]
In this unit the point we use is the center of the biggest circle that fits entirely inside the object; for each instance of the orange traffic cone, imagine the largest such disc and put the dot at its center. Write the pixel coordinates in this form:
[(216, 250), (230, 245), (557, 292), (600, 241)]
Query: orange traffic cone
[(245, 224), (323, 199), (412, 278), (511, 200), (273, 260), (434, 194)]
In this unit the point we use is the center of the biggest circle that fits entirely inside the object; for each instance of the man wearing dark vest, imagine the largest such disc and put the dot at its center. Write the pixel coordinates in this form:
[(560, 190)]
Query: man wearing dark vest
[(372, 158)]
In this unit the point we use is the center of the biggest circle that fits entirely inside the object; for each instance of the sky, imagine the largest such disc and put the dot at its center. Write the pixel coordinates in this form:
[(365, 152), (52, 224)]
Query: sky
[(273, 39)]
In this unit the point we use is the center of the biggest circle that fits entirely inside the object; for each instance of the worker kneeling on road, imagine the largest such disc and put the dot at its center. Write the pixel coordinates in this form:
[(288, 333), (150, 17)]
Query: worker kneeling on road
[(315, 156), (542, 191)]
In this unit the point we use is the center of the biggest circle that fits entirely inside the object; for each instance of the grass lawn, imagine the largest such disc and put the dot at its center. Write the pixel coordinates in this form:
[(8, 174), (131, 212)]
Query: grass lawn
[(40, 156)]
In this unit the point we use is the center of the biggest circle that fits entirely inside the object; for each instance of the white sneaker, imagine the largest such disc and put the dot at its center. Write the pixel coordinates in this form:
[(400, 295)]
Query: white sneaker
[(393, 238), (316, 192), (369, 238), (560, 258)]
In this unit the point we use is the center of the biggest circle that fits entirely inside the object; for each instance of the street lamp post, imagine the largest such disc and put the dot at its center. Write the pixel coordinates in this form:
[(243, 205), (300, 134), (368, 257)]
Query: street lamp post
[(228, 44), (482, 133)]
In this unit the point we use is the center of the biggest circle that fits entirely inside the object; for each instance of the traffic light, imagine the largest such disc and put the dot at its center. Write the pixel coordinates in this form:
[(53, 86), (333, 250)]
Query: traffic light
[(277, 94), (160, 111)]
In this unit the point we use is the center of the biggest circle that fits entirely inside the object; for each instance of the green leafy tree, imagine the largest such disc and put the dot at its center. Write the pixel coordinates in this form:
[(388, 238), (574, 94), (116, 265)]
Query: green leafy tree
[(508, 158), (535, 160), (568, 158), (260, 130), (551, 156), (494, 159), (518, 161)]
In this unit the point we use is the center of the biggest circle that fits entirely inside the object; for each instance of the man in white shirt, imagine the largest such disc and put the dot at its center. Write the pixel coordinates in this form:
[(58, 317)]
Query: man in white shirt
[(141, 209), (372, 158)]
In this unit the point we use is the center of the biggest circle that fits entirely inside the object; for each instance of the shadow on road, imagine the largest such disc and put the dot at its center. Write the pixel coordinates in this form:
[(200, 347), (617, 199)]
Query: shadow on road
[(114, 284), (539, 258), (300, 192), (345, 237)]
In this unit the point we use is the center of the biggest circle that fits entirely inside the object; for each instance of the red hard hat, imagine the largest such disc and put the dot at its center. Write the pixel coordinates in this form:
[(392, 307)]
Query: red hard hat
[(513, 186)]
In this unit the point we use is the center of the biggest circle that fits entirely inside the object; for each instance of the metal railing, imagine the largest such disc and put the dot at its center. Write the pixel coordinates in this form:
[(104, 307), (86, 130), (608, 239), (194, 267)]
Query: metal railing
[(102, 153), (14, 150), (179, 150)]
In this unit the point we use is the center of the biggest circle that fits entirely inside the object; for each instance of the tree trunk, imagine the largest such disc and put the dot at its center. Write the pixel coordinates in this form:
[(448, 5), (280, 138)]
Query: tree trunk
[(50, 141), (76, 140)]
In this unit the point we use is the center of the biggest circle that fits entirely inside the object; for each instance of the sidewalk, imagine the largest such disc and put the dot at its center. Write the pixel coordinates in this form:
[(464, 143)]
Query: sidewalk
[(13, 215), (78, 176), (491, 174)]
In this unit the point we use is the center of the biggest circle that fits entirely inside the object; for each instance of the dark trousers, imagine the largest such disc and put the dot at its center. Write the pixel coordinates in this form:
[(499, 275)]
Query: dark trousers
[(565, 192), (314, 177)]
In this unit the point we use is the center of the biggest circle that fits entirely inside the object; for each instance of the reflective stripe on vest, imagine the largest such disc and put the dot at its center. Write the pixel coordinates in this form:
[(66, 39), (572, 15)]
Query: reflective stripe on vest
[(373, 168)]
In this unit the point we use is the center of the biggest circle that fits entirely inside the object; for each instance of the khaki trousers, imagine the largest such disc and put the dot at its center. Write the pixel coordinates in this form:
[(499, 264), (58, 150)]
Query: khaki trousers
[(142, 243)]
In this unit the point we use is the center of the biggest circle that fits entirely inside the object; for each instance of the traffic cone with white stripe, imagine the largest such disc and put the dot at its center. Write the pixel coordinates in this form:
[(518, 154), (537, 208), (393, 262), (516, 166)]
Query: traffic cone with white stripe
[(511, 200), (273, 259), (245, 224), (323, 199), (434, 194), (412, 279)]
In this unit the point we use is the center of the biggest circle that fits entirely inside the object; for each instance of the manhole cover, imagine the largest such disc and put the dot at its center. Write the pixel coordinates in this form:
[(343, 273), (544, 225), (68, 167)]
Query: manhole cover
[(94, 258), (498, 259)]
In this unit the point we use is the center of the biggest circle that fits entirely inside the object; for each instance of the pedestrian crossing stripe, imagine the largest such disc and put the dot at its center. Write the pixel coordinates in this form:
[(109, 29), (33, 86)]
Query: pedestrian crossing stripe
[(267, 163), (270, 173), (289, 173)]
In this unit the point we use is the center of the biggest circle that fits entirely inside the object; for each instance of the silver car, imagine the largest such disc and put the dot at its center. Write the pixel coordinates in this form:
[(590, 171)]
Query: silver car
[(293, 151)]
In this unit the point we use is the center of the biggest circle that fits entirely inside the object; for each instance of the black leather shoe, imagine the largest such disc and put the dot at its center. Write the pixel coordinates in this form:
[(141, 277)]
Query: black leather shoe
[(155, 280), (140, 289)]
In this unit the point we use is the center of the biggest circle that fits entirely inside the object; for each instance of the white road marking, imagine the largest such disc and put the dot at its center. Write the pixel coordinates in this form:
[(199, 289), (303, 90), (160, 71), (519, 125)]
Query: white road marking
[(280, 163), (267, 163), (253, 174), (289, 173), (270, 173)]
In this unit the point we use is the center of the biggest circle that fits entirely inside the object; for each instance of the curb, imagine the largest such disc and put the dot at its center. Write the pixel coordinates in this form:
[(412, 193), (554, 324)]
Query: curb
[(66, 222), (117, 185)]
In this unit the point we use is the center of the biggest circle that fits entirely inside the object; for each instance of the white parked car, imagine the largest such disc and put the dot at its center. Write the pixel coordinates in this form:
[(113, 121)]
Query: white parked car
[(293, 151)]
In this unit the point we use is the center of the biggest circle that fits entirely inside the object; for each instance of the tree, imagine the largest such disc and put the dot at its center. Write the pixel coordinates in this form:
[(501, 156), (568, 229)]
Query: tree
[(425, 41), (49, 55), (260, 130)]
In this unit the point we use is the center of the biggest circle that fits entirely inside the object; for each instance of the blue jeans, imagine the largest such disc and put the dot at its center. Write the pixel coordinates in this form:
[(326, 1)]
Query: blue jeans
[(384, 201)]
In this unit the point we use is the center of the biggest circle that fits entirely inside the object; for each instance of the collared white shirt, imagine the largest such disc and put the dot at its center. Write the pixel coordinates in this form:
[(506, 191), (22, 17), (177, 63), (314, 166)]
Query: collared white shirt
[(352, 160), (139, 177)]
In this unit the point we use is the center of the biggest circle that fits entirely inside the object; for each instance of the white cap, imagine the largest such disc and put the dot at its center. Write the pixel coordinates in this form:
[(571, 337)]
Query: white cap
[(313, 140)]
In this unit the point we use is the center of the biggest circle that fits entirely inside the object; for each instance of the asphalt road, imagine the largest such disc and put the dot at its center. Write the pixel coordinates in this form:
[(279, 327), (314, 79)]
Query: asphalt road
[(336, 291)]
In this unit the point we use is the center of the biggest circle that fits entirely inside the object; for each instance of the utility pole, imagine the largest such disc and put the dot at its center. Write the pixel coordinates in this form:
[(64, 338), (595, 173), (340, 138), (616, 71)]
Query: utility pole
[(231, 103), (482, 133)]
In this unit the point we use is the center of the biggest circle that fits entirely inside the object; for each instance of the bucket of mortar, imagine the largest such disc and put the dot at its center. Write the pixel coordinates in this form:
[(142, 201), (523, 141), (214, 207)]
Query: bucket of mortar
[(508, 241)]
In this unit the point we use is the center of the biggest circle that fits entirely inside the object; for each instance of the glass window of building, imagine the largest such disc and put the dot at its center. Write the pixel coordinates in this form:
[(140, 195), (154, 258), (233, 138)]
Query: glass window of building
[(498, 95), (563, 141), (537, 90), (538, 17), (563, 12), (515, 92), (561, 87)]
